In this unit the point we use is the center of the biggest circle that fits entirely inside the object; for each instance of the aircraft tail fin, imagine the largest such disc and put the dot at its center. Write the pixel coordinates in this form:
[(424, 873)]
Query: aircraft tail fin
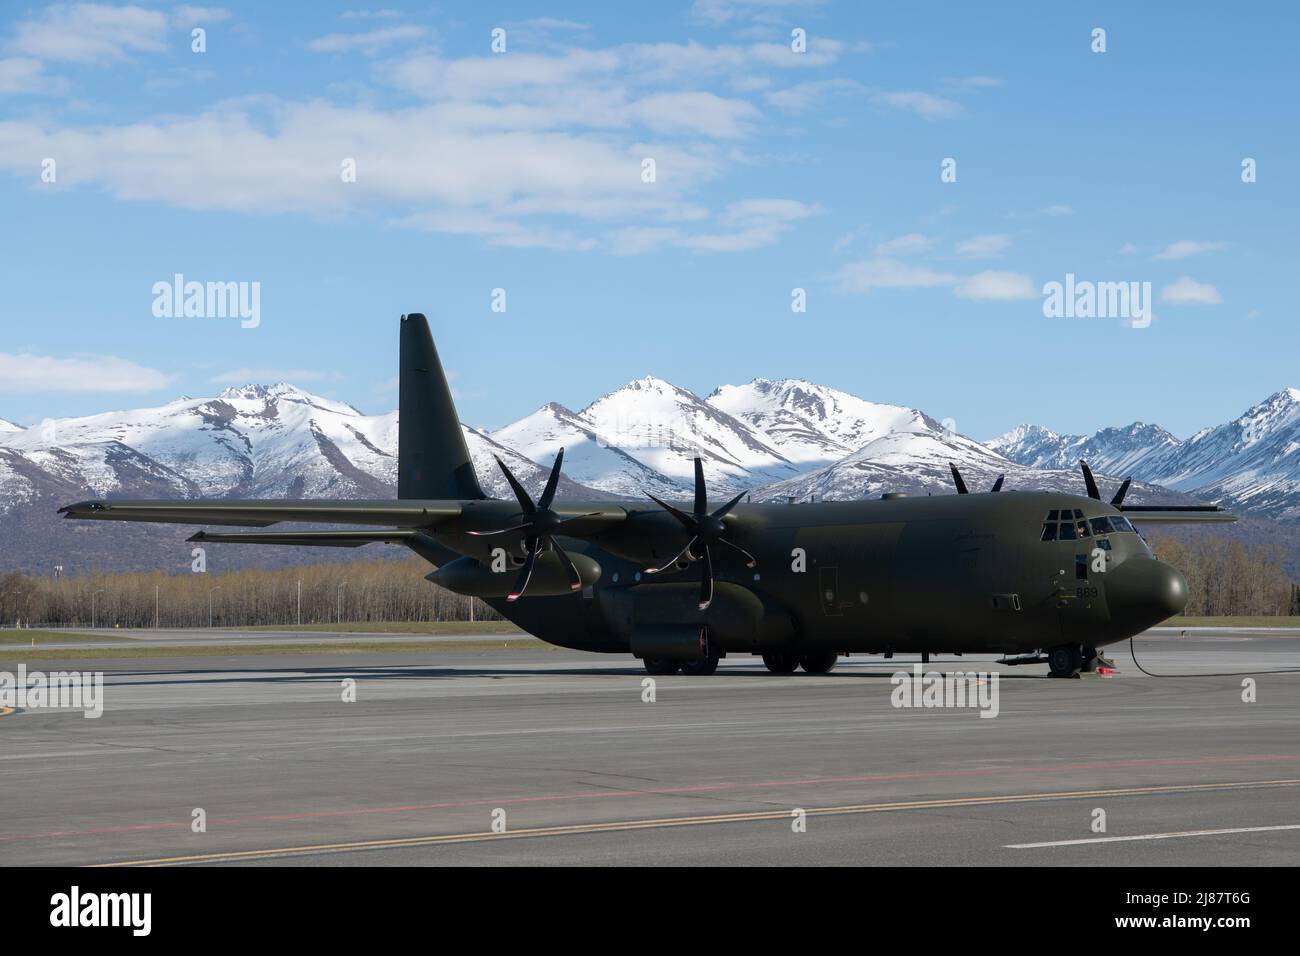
[(432, 459)]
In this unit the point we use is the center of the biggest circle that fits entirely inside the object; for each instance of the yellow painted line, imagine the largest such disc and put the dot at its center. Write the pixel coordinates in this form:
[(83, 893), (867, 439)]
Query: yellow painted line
[(6, 711), (707, 820)]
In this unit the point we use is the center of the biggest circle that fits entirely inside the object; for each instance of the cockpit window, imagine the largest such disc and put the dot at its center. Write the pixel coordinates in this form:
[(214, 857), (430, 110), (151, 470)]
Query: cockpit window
[(1101, 525), (1120, 523), (1067, 531), (1049, 532)]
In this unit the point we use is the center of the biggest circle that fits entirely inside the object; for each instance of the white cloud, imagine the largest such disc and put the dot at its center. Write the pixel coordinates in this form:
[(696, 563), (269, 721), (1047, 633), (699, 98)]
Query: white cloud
[(925, 105), (91, 33), (96, 373), (998, 287), (815, 93), (870, 274), (718, 12), (1185, 248), (1187, 291), (983, 247), (1057, 210), (20, 74), (902, 245), (370, 42), (1127, 249)]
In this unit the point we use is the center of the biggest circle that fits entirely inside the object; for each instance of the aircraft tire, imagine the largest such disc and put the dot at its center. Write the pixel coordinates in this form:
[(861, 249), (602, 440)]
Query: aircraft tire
[(661, 666), (780, 663), (701, 668), (821, 663), (1065, 660)]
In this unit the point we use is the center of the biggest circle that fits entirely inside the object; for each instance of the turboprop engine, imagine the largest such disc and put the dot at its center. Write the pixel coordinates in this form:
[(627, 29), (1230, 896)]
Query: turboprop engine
[(550, 577)]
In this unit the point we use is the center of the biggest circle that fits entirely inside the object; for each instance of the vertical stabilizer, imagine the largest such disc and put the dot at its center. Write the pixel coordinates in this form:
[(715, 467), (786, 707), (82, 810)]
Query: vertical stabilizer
[(432, 460)]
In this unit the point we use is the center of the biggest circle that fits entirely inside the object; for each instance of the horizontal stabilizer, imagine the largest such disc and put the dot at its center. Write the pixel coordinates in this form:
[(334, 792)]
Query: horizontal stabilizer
[(320, 539), (260, 514)]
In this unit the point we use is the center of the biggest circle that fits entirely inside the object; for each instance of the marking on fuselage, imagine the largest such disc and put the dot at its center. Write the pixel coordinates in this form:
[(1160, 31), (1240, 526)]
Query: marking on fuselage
[(707, 820)]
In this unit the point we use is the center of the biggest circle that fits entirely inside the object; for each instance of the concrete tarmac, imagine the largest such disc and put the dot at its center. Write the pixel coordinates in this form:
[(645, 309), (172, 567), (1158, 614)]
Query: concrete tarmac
[(561, 749)]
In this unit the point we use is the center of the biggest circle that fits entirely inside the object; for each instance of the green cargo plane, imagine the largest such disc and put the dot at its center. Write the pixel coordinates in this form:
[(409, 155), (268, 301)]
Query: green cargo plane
[(1037, 575)]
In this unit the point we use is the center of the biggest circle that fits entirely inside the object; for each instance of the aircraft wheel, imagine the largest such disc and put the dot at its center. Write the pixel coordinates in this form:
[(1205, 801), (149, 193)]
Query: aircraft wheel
[(820, 663), (781, 663), (661, 666), (701, 668), (1065, 661)]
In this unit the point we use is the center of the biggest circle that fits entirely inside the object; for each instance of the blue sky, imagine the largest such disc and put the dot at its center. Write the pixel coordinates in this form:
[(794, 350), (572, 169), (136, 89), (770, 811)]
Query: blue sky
[(775, 170)]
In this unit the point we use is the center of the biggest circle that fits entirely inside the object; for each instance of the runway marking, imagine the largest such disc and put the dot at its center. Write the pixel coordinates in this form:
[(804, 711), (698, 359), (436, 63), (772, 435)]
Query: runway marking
[(704, 820), (6, 711), (1151, 836), (689, 790)]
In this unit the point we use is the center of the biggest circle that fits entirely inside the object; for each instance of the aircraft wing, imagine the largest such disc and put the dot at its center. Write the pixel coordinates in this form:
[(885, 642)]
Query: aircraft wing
[(1177, 514), (261, 514), (325, 539)]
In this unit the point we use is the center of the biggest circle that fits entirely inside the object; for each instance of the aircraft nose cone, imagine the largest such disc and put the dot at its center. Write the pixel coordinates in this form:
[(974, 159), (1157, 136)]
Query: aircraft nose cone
[(1142, 592)]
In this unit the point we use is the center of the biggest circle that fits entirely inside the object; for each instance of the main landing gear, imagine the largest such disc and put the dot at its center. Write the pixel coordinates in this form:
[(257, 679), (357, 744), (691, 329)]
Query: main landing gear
[(667, 666), (819, 662)]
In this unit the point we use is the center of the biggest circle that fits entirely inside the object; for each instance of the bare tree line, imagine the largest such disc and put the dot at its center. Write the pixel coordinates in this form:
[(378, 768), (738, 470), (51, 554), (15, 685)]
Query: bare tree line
[(1224, 578), (360, 591), (1229, 577)]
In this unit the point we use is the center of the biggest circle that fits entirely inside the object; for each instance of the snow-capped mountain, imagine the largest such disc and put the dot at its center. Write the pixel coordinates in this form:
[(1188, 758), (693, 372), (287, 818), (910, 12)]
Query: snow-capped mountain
[(1251, 463), (811, 425), (1115, 450), (651, 431), (8, 426), (257, 441), (778, 439)]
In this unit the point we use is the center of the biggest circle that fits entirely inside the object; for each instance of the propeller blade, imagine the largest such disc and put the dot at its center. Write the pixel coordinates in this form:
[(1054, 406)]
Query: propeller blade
[(1119, 495), (575, 579), (548, 493), (701, 495), (687, 520), (729, 505), (521, 582), (1089, 480), (750, 560), (668, 564), (706, 582), (525, 502), (957, 480), (997, 485)]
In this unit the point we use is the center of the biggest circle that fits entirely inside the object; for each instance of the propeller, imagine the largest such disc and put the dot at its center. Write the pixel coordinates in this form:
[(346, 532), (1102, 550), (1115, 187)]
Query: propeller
[(538, 527), (1092, 486), (705, 530), (961, 484)]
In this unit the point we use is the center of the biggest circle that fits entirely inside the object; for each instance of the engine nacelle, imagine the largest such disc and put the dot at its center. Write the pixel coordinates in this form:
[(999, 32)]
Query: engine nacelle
[(475, 579)]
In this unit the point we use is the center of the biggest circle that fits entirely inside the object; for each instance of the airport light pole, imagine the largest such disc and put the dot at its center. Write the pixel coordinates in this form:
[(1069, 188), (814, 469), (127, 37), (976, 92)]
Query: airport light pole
[(93, 595), (210, 591)]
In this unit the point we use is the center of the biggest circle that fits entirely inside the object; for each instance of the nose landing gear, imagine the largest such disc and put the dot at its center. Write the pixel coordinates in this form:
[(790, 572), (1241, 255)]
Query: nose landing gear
[(1065, 660)]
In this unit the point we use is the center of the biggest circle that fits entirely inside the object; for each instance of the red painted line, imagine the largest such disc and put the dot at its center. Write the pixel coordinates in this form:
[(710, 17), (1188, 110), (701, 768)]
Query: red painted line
[(676, 791)]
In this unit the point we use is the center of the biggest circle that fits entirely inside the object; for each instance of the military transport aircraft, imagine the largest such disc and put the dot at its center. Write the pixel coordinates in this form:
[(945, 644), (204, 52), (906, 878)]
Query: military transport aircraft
[(1040, 575)]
